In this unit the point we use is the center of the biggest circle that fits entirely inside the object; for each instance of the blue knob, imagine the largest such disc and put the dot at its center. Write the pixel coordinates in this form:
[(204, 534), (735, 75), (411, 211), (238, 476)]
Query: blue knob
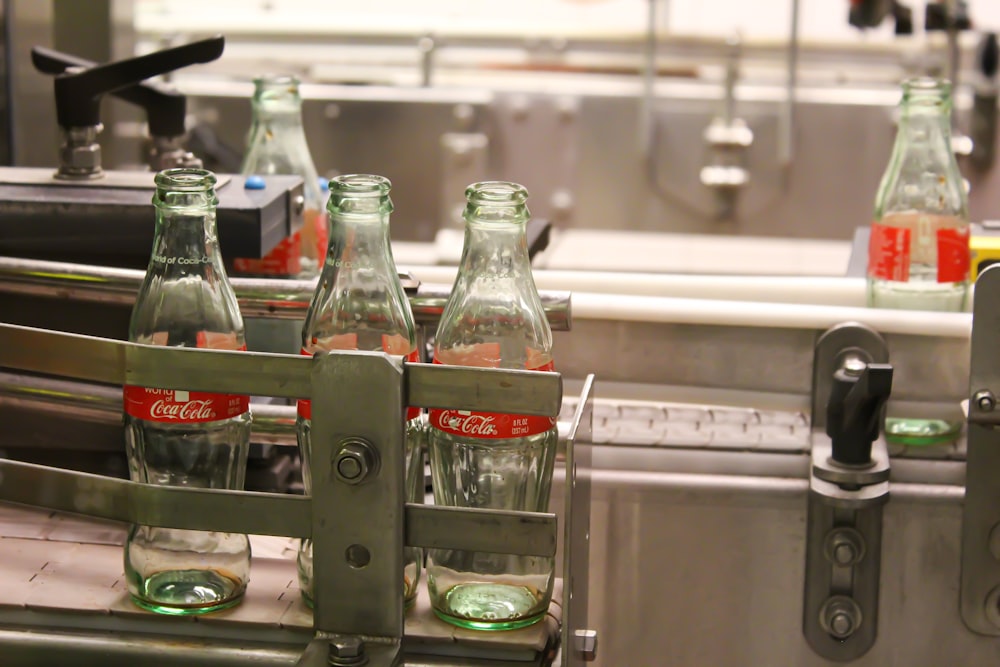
[(254, 183)]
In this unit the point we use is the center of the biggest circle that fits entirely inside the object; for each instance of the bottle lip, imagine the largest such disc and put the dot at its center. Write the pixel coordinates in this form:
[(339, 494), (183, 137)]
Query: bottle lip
[(360, 185), (496, 192), (276, 88), (926, 86), (185, 179)]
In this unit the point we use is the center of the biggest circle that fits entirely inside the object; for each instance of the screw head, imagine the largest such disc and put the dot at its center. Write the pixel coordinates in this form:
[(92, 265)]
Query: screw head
[(844, 554), (844, 546)]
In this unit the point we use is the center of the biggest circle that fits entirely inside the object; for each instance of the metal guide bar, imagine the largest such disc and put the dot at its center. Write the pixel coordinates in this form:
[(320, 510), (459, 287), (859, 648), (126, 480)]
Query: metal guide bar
[(579, 642), (257, 297), (499, 531), (116, 362), (980, 582)]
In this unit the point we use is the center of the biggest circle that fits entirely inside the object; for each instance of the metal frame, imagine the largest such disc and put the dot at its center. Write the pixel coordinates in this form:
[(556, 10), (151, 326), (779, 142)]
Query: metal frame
[(980, 584), (357, 592), (844, 520)]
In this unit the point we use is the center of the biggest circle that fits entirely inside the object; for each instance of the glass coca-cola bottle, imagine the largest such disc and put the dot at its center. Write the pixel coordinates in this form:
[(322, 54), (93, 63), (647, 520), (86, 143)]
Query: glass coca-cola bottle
[(186, 438), (359, 304), (493, 319), (918, 256), (277, 145)]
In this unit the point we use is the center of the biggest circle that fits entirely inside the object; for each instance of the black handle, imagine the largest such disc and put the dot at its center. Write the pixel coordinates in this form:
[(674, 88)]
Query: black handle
[(989, 55), (166, 109), (854, 412), (78, 95)]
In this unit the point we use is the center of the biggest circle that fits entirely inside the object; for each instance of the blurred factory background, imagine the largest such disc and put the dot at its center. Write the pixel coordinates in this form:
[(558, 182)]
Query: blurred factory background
[(771, 118)]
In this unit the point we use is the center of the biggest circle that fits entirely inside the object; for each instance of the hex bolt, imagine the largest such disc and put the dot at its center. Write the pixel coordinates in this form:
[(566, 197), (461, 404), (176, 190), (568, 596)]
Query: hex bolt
[(985, 400), (840, 616), (355, 461), (347, 651)]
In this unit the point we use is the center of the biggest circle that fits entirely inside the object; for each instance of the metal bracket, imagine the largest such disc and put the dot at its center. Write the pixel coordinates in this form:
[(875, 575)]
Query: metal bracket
[(844, 525), (980, 584)]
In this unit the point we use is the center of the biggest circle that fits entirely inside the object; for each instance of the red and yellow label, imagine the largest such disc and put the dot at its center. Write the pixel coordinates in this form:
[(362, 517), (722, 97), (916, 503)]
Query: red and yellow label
[(176, 406), (489, 425), (391, 344)]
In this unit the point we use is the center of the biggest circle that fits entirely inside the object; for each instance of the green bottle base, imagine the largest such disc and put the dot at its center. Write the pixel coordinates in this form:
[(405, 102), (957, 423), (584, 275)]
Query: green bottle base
[(188, 592), (921, 432), (489, 607)]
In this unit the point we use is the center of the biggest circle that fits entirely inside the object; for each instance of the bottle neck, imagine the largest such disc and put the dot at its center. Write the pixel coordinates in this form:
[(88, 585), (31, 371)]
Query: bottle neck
[(360, 243), (278, 145), (185, 236), (498, 249)]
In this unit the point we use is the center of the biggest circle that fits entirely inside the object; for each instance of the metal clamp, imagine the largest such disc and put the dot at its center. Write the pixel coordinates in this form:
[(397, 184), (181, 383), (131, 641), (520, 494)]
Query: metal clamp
[(980, 583), (844, 539)]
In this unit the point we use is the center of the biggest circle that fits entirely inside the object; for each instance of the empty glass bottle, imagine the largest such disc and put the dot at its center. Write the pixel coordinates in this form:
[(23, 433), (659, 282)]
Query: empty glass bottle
[(359, 304), (493, 319), (277, 145), (182, 438), (918, 256)]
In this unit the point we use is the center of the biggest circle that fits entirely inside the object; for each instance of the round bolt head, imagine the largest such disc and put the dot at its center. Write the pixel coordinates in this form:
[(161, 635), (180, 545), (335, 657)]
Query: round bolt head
[(844, 554), (355, 461), (985, 400), (841, 624), (854, 366), (349, 468)]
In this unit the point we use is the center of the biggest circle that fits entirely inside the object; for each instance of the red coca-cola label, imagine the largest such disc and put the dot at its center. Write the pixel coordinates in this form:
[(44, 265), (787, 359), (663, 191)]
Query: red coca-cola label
[(182, 407), (889, 253), (176, 406), (953, 254), (285, 259), (491, 425), (390, 344)]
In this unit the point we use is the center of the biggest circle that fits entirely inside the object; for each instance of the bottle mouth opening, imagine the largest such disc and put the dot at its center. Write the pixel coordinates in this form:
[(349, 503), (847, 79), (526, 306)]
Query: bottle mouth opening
[(496, 192), (276, 87), (360, 185), (185, 179)]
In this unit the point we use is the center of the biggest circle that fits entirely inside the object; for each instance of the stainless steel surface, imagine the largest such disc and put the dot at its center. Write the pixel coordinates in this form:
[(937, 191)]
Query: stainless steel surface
[(258, 297), (168, 506), (493, 531), (115, 362), (579, 642), (980, 568), (715, 561)]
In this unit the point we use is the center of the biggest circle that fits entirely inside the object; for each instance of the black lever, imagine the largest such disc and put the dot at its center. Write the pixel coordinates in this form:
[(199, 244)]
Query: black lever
[(165, 108), (78, 94), (854, 413)]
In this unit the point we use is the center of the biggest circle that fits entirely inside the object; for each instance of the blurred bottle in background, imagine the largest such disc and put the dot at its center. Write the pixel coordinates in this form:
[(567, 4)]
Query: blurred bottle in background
[(277, 145), (918, 255)]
